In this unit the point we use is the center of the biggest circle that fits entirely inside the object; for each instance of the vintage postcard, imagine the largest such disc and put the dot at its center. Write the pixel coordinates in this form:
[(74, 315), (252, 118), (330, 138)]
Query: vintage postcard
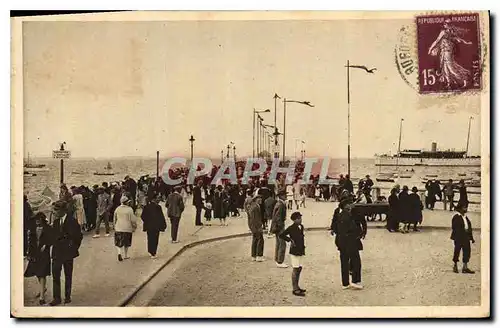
[(251, 165)]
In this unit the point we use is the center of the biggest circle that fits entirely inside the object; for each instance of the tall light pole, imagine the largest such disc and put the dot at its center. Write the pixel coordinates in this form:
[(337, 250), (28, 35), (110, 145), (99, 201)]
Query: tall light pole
[(191, 140), (348, 67), (303, 151), (468, 137), (399, 143), (276, 133), (234, 153), (255, 111), (306, 103), (221, 156)]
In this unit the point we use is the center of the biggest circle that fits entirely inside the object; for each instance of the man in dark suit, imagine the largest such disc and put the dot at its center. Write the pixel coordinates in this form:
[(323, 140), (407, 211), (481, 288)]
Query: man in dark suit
[(67, 240), (461, 234), (198, 202), (349, 228)]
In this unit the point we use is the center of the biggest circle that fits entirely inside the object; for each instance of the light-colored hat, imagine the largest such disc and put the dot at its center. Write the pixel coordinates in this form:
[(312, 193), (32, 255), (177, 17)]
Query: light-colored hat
[(123, 199)]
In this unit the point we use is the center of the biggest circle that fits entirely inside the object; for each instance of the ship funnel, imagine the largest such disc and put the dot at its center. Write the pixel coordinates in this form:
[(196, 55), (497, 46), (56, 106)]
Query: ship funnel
[(434, 147)]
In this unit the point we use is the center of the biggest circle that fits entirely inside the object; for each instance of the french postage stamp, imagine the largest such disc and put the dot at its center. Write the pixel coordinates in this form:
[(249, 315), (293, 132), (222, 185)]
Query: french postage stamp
[(449, 53)]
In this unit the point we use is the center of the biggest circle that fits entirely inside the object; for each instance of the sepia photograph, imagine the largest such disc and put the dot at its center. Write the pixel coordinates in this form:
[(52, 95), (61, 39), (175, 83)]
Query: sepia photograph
[(251, 164)]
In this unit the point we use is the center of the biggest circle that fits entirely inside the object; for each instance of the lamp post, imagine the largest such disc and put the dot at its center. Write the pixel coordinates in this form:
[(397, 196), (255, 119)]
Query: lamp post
[(234, 153), (468, 137), (255, 111), (285, 101), (221, 156), (303, 151), (295, 149), (191, 140), (276, 97), (348, 67)]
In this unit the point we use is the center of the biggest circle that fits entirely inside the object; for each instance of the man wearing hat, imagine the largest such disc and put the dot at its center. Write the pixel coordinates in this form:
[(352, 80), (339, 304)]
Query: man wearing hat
[(461, 235), (255, 224), (67, 240), (349, 228), (175, 205), (278, 226)]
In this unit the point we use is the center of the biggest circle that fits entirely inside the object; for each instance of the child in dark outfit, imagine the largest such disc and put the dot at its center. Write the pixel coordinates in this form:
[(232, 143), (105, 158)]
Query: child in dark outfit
[(295, 235)]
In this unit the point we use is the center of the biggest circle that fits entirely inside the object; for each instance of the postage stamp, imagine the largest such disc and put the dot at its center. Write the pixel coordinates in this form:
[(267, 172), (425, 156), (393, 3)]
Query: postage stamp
[(449, 53)]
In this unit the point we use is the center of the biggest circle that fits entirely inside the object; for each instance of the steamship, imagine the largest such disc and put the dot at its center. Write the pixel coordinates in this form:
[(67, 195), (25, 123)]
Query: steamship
[(433, 157)]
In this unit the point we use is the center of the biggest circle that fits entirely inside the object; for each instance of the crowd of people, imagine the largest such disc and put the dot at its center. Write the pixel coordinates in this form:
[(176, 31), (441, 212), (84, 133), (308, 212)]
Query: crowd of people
[(117, 205)]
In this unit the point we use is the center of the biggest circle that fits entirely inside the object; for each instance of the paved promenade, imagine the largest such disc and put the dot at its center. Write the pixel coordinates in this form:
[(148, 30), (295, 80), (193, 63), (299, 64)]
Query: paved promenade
[(100, 280)]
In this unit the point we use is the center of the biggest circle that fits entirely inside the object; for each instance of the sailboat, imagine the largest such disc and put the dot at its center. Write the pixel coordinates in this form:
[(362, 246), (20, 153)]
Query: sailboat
[(30, 167), (108, 170)]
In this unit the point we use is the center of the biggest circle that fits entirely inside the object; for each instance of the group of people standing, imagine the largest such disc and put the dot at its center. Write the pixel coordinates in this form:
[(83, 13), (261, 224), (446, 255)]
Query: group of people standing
[(404, 208)]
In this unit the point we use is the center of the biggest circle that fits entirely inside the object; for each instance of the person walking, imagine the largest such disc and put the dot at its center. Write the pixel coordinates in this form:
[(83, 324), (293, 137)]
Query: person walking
[(103, 208), (295, 235), (463, 199), (153, 223), (79, 209), (277, 227), (67, 239), (394, 212), (27, 222), (404, 209), (40, 239), (219, 205), (125, 223), (349, 228), (461, 234), (256, 227), (175, 205), (449, 194), (416, 207), (198, 202)]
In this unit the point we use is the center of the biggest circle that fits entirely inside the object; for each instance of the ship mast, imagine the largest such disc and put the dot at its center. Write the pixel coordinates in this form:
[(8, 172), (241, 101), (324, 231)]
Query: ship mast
[(399, 144), (468, 137)]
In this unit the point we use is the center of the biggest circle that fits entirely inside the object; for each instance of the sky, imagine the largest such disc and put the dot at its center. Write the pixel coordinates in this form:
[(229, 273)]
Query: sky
[(112, 89)]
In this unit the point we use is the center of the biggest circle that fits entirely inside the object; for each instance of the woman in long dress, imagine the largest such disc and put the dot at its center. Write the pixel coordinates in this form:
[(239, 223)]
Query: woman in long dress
[(445, 47), (79, 209)]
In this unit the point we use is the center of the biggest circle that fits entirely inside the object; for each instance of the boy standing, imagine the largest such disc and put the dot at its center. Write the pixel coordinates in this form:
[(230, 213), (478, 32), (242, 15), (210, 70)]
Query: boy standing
[(295, 235), (462, 237)]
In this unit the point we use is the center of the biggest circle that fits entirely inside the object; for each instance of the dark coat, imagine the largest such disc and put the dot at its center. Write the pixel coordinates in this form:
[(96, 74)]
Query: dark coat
[(153, 218), (218, 205), (463, 199), (254, 218), (197, 199), (416, 207), (39, 261), (348, 229), (458, 232), (269, 204), (404, 207), (295, 232), (175, 204), (67, 239), (279, 217), (348, 186)]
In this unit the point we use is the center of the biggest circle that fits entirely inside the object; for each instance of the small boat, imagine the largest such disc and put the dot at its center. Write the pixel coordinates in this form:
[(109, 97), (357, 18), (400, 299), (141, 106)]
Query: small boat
[(405, 176), (32, 167), (382, 179), (431, 175), (29, 174), (108, 170), (462, 174), (77, 172)]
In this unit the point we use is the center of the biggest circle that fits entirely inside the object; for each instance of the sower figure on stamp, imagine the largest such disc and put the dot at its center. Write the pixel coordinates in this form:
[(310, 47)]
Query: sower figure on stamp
[(349, 228), (278, 226), (461, 235), (67, 240)]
